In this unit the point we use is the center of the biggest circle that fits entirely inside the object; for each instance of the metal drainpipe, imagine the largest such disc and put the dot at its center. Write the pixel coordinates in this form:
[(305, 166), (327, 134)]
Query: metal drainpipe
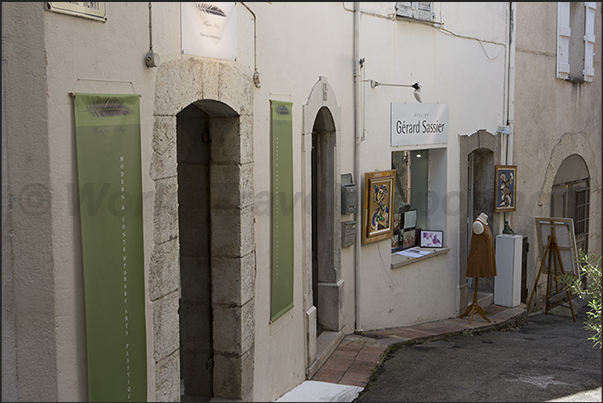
[(357, 128), (510, 95), (511, 85)]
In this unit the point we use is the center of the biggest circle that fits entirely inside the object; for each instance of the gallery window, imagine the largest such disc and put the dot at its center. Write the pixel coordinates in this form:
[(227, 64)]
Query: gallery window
[(420, 199)]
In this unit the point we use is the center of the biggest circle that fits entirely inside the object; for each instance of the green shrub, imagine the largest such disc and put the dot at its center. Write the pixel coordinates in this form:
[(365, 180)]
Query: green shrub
[(590, 270)]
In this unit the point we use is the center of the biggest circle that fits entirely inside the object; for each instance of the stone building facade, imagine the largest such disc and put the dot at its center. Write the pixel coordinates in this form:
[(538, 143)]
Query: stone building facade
[(206, 135)]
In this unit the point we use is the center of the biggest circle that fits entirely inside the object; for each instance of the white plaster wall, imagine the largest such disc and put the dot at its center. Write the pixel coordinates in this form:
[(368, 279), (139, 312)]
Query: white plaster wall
[(296, 43), (462, 65), (96, 57)]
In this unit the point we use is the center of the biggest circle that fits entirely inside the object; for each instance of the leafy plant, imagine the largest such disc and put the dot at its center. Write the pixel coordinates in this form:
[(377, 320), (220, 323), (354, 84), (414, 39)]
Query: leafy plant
[(590, 270)]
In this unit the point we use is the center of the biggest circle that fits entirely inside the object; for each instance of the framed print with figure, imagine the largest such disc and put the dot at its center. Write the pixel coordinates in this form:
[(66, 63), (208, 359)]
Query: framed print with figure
[(378, 222), (431, 239), (506, 188)]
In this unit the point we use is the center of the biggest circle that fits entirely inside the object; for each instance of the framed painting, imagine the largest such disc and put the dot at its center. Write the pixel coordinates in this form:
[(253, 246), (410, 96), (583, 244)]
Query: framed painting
[(378, 222), (506, 188), (431, 239)]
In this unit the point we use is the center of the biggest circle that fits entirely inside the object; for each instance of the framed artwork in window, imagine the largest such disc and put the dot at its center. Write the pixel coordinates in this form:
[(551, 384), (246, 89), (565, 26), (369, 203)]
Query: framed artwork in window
[(431, 239), (506, 188), (409, 238), (378, 222), (409, 219)]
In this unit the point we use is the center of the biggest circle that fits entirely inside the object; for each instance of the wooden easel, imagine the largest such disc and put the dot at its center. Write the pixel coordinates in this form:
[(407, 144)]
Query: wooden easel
[(552, 252), (471, 309)]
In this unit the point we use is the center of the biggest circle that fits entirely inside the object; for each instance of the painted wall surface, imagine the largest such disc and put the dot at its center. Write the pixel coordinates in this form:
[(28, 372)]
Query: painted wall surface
[(9, 357), (94, 57), (29, 268), (554, 119), (463, 65), (291, 55), (461, 61)]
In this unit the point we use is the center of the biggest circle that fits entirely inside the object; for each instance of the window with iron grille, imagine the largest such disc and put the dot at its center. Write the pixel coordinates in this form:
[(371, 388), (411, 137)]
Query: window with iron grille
[(581, 204)]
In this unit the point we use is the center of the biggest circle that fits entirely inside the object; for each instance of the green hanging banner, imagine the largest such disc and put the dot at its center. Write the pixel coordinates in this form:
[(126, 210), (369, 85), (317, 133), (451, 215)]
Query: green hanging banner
[(282, 208), (107, 129)]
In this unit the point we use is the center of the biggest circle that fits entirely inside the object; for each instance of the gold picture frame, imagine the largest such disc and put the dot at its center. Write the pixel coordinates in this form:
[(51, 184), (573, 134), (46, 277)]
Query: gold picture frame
[(378, 222)]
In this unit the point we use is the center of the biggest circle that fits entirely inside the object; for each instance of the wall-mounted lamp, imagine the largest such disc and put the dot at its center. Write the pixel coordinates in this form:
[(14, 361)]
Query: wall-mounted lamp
[(417, 92), (417, 86)]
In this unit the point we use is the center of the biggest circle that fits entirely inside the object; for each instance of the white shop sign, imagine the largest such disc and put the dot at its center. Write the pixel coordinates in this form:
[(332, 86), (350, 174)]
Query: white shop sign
[(209, 29), (418, 124)]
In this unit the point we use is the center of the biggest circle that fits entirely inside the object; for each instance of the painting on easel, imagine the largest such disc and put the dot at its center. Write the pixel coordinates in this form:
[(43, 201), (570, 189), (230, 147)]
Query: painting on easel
[(557, 257), (566, 240)]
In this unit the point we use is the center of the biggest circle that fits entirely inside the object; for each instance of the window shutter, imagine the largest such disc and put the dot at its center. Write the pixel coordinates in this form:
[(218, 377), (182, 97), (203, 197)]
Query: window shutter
[(589, 40), (423, 11), (416, 10), (404, 9), (563, 39)]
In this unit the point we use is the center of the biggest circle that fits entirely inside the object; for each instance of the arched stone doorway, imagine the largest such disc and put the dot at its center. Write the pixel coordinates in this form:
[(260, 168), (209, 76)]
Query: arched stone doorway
[(479, 155), (321, 182), (202, 166)]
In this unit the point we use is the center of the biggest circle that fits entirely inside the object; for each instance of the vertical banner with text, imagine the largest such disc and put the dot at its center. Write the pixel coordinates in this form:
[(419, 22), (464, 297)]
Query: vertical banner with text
[(282, 208), (107, 129)]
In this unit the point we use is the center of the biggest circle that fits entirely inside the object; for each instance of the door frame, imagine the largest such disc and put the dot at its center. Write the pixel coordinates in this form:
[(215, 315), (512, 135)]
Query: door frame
[(331, 284), (225, 92)]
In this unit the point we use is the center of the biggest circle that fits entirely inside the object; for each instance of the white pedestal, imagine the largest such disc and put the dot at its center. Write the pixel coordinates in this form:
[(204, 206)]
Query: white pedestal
[(507, 283)]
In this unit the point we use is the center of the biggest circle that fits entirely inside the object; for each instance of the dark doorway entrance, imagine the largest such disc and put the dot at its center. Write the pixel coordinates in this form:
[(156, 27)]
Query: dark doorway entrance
[(480, 200), (323, 171), (196, 344)]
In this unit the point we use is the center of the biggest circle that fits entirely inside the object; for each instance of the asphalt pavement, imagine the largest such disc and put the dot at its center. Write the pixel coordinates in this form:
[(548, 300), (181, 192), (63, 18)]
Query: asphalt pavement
[(548, 359)]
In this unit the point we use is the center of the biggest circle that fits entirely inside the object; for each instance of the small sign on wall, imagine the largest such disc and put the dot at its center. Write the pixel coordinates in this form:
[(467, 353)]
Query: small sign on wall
[(418, 124), (209, 30)]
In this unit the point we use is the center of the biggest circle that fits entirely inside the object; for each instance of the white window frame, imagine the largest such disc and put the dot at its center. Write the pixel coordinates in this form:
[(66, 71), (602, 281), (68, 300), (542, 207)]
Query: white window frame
[(565, 32)]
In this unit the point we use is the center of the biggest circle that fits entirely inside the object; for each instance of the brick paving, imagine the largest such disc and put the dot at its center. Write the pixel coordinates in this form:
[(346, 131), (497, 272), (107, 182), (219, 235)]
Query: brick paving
[(358, 355)]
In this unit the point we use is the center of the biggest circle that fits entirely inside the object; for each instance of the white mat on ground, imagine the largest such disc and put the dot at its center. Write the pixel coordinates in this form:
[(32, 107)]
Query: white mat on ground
[(313, 391)]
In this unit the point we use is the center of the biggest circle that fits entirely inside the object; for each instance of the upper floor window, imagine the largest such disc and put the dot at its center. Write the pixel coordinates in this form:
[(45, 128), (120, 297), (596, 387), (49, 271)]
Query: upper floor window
[(576, 40), (416, 10)]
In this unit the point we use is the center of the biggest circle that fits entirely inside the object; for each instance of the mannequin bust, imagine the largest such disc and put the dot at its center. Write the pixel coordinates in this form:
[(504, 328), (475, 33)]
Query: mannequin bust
[(478, 224)]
